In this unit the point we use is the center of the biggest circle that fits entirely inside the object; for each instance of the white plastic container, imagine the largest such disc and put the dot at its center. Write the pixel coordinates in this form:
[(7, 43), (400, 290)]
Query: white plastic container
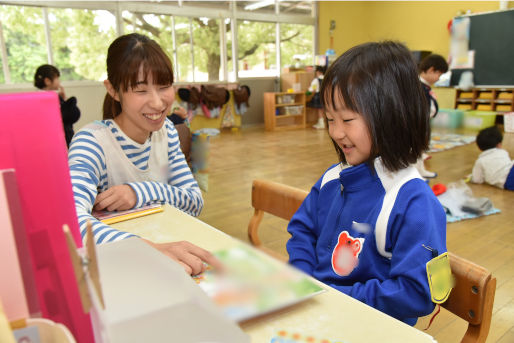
[(508, 122)]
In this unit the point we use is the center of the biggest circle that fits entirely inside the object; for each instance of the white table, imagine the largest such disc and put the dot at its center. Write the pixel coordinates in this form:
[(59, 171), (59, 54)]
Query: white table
[(331, 315)]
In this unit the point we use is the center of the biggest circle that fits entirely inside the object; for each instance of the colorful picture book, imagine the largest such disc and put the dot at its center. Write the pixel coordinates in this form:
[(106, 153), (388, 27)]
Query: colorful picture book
[(111, 217), (253, 284)]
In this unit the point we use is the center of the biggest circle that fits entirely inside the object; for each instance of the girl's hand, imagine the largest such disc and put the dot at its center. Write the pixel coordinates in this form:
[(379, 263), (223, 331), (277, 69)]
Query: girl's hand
[(180, 111), (61, 92), (192, 258), (116, 198)]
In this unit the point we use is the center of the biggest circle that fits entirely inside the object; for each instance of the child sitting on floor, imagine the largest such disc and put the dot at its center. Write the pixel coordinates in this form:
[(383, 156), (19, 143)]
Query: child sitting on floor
[(493, 165)]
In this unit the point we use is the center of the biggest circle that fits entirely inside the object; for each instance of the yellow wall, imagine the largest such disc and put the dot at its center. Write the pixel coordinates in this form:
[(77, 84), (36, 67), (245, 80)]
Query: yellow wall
[(421, 25)]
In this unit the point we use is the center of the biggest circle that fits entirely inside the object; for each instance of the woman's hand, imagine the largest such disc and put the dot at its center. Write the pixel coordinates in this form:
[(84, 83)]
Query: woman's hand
[(116, 198), (190, 256)]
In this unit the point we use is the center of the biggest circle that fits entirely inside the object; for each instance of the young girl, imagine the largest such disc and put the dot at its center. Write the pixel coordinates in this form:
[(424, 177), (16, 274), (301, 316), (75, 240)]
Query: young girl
[(371, 223), (47, 77), (132, 158), (315, 102)]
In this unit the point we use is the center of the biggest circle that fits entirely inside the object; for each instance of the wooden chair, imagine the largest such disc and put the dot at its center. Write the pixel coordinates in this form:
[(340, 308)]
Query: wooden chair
[(472, 297), (274, 198), (185, 137)]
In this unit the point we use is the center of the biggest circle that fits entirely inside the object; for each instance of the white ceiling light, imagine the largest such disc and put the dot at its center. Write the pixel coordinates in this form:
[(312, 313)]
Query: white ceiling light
[(259, 4)]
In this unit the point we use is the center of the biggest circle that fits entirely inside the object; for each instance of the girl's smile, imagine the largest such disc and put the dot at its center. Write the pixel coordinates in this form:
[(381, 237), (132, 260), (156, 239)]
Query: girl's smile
[(350, 132)]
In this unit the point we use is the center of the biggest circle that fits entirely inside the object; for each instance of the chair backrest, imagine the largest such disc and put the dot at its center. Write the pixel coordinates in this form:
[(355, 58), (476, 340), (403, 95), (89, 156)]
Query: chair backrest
[(274, 198), (185, 138), (472, 297)]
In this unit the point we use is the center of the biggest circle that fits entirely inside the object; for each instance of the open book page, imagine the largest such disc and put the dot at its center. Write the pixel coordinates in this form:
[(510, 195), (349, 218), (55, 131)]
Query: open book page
[(111, 217), (253, 284)]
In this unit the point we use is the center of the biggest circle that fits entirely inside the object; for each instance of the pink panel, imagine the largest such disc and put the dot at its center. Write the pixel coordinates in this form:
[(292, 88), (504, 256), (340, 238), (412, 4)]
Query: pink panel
[(11, 292), (32, 142)]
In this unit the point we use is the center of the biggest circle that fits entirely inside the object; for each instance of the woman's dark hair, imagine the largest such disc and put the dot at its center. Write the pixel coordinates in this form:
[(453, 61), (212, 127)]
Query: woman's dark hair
[(380, 82), (45, 71), (125, 56), (436, 61), (489, 138)]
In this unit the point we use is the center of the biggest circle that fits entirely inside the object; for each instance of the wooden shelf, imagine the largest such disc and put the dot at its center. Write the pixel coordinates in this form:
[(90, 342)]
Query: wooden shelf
[(284, 111), (499, 99)]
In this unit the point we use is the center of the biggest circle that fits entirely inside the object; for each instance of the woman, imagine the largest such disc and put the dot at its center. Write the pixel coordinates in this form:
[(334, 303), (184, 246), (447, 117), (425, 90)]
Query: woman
[(132, 158)]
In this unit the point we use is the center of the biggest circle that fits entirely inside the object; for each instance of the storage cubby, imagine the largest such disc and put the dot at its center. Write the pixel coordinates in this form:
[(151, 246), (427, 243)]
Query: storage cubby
[(485, 99), (284, 110)]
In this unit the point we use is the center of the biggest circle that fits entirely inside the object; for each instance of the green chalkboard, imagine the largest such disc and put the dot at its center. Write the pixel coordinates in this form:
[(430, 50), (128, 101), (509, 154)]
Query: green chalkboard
[(491, 35)]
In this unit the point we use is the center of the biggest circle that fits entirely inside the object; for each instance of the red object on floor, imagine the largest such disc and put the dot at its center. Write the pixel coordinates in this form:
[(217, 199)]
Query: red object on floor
[(438, 188)]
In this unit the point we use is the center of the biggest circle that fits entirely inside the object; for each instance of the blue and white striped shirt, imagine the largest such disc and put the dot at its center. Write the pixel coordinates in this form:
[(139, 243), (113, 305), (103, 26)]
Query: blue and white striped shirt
[(88, 171)]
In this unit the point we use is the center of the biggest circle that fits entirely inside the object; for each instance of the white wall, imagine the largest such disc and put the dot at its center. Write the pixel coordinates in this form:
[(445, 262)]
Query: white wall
[(90, 97)]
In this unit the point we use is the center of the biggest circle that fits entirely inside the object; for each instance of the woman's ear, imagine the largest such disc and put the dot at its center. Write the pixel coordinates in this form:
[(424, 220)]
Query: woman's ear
[(110, 89)]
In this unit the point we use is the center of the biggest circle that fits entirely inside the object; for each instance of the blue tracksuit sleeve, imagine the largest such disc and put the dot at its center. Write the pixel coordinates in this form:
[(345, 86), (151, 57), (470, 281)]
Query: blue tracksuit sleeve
[(302, 227)]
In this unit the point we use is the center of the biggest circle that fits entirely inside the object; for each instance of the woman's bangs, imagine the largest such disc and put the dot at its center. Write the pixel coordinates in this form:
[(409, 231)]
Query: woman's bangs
[(158, 65), (152, 62)]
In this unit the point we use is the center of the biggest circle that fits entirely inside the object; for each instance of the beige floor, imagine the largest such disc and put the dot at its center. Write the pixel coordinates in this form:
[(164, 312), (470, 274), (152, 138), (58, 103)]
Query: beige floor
[(299, 157)]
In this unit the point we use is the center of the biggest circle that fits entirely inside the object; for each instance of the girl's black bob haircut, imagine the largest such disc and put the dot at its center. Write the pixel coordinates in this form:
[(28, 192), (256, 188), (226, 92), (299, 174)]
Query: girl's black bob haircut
[(379, 80)]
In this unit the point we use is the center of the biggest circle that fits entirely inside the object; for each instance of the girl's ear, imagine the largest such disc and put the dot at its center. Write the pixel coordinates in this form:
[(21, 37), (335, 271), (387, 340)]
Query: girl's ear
[(110, 89), (47, 82)]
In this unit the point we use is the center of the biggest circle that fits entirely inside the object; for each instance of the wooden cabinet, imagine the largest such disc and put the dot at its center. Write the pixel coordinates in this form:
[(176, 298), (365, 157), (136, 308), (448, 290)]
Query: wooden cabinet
[(284, 111), (485, 99), (300, 78)]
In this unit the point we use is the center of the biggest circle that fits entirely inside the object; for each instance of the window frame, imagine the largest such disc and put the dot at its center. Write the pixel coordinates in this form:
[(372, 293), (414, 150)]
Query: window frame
[(181, 9)]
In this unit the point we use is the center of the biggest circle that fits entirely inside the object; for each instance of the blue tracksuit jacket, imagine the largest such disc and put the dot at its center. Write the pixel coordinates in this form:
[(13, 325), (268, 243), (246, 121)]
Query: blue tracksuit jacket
[(363, 234)]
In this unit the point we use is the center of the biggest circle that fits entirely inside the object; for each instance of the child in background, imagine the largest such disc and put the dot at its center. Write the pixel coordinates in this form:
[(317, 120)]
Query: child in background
[(47, 77), (370, 224), (132, 158), (430, 70), (178, 114), (493, 165), (315, 102)]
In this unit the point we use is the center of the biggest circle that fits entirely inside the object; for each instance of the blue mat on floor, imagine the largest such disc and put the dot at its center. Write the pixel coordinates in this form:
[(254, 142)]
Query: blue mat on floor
[(452, 219)]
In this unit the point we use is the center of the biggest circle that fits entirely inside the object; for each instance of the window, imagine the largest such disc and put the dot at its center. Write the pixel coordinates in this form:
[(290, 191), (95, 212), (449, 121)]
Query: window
[(75, 57), (197, 36), (184, 49), (256, 49), (25, 41), (296, 45), (207, 52)]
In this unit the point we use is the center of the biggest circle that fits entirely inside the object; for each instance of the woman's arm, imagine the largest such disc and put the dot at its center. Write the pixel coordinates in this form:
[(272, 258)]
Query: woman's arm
[(182, 190), (86, 160)]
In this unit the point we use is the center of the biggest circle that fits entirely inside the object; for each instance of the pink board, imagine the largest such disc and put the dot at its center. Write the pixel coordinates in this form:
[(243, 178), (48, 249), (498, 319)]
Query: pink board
[(11, 292), (32, 142)]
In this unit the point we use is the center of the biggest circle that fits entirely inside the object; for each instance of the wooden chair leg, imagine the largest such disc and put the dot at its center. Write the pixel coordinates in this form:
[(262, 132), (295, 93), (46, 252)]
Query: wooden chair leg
[(253, 227)]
